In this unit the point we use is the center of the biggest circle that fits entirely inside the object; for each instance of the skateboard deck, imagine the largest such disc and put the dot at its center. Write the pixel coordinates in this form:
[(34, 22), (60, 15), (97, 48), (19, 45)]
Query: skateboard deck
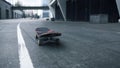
[(44, 35)]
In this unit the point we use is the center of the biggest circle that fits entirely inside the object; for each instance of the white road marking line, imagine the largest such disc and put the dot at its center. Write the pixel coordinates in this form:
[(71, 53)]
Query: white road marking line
[(24, 58)]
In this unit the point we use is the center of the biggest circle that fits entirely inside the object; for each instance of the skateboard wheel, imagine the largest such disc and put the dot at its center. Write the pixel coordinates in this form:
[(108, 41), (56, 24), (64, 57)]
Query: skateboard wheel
[(57, 41), (39, 42), (36, 37)]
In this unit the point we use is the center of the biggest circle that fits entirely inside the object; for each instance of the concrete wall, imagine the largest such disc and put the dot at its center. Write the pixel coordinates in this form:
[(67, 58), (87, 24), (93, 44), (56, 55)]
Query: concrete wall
[(99, 18), (6, 12)]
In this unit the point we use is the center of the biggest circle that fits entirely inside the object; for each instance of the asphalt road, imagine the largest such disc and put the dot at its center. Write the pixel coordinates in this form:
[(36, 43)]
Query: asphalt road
[(82, 45)]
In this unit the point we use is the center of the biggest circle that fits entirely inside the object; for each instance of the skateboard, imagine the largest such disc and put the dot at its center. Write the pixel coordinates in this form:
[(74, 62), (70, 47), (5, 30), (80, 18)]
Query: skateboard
[(45, 35)]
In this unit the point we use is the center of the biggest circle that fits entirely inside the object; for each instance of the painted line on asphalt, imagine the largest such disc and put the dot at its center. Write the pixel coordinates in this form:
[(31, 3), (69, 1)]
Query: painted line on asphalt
[(24, 57)]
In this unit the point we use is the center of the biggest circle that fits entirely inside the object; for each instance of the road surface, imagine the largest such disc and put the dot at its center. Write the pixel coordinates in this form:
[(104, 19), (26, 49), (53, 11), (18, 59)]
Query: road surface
[(82, 45)]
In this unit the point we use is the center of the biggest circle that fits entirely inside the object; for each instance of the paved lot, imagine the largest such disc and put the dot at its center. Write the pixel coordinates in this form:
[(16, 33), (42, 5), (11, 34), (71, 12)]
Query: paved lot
[(83, 45)]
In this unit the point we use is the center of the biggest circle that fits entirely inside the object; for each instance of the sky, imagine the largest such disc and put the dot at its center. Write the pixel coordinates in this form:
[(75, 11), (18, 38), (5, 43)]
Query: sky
[(30, 3)]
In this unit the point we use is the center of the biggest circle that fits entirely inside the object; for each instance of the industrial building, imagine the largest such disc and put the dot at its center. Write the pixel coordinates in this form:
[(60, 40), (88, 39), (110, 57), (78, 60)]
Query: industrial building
[(85, 10), (6, 12)]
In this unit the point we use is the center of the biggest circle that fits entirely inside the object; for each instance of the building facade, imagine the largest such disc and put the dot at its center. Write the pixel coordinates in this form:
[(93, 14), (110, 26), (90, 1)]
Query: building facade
[(85, 10), (5, 10)]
